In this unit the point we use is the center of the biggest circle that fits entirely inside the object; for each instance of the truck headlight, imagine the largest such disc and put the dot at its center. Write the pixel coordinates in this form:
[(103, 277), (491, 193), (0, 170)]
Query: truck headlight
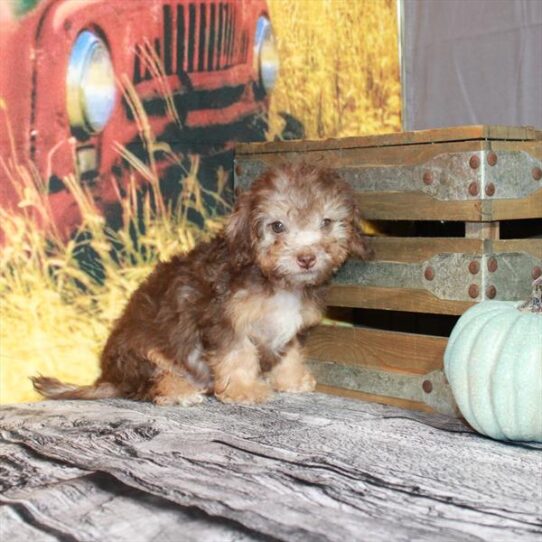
[(266, 57), (91, 89)]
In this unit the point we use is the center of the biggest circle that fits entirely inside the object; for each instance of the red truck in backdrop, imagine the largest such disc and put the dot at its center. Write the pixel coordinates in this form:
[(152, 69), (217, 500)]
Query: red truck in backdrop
[(82, 79)]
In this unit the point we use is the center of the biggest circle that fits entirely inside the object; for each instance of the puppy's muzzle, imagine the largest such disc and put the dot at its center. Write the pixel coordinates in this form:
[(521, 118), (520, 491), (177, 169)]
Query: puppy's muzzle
[(306, 260)]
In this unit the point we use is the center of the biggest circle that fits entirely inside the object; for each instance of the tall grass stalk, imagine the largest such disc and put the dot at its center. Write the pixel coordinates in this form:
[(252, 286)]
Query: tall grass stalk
[(339, 66), (339, 76), (54, 316)]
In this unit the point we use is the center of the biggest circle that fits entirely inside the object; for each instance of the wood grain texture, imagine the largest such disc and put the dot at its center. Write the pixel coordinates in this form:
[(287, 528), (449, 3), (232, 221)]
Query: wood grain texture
[(529, 246), (420, 206), (380, 349), (395, 299), (80, 505), (456, 133), (509, 209), (310, 467), (420, 249), (410, 149), (380, 399), (359, 156)]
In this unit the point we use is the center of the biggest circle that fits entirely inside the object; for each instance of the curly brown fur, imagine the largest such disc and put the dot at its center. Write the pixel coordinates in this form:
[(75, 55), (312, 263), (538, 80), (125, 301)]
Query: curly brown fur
[(224, 318)]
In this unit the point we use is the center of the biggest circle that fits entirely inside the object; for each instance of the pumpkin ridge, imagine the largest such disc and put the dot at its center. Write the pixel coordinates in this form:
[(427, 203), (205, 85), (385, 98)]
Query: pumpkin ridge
[(492, 396), (459, 372), (473, 313), (480, 336), (493, 362)]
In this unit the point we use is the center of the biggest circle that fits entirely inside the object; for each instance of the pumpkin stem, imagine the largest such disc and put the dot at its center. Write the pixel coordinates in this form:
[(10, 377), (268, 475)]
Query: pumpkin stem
[(535, 303)]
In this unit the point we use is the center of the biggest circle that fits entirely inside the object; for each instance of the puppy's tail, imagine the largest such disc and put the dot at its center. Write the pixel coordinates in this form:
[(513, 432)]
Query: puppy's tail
[(52, 388)]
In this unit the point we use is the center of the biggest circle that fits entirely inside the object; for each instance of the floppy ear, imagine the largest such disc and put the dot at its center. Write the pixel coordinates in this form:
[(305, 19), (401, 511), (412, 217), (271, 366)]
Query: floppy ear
[(237, 231), (358, 244)]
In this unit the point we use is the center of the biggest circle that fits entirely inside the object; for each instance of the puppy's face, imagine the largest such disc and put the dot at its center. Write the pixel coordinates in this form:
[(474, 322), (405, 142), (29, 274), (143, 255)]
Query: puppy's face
[(298, 224)]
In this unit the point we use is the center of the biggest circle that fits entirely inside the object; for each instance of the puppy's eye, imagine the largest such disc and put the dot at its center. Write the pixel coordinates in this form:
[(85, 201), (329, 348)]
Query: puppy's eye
[(326, 223), (278, 226)]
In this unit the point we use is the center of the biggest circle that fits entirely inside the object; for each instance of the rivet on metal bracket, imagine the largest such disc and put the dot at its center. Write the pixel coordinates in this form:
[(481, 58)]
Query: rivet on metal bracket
[(473, 188), (490, 189), (491, 292), (474, 291), (427, 386), (427, 178), (429, 273), (474, 267), (491, 158), (474, 161)]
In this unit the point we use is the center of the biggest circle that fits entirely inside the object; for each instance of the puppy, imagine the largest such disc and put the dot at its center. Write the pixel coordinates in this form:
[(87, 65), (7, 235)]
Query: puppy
[(225, 318)]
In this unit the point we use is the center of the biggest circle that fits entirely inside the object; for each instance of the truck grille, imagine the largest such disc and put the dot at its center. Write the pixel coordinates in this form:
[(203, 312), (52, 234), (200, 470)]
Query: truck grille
[(196, 37)]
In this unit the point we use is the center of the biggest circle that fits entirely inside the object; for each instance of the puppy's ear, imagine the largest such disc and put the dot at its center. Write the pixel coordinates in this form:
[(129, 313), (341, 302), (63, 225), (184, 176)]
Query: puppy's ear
[(358, 244), (238, 230)]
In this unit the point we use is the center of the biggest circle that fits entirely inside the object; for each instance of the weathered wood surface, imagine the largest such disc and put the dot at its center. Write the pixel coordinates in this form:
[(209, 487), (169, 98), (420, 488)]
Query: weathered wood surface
[(454, 133), (411, 353), (394, 299), (419, 249), (310, 467), (424, 175), (382, 399), (394, 279)]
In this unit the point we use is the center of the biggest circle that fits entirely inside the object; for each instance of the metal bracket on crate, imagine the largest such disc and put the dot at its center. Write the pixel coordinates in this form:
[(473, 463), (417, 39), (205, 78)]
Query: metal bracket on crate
[(451, 276), (504, 276), (431, 389), (454, 176), (448, 176)]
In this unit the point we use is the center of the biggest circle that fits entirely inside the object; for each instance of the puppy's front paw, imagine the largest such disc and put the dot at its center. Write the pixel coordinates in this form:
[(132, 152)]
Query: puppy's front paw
[(246, 393), (293, 382)]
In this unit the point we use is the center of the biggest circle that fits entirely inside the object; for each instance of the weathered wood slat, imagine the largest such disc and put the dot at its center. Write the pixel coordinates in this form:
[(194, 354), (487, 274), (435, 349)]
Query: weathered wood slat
[(350, 156), (419, 206), (309, 467), (529, 246), (396, 299), (386, 365), (390, 180), (386, 350), (456, 133), (396, 278), (381, 399), (419, 249), (506, 209)]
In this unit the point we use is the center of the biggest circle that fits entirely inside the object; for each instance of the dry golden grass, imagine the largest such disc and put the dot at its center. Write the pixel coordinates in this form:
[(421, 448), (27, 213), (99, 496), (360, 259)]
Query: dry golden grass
[(339, 76), (339, 66), (54, 317)]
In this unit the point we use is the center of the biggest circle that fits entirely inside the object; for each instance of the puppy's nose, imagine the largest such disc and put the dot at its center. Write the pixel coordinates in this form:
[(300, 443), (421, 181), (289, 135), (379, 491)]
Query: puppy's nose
[(306, 261)]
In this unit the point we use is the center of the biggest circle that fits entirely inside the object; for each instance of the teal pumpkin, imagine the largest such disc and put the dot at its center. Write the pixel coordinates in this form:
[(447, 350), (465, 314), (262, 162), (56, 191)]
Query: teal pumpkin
[(493, 362)]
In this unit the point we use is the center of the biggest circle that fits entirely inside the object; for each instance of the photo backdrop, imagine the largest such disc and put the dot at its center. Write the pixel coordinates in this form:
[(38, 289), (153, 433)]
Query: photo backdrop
[(339, 76)]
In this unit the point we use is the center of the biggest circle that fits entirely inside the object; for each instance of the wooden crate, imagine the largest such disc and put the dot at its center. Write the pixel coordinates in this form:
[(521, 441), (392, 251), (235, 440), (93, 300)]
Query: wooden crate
[(483, 184)]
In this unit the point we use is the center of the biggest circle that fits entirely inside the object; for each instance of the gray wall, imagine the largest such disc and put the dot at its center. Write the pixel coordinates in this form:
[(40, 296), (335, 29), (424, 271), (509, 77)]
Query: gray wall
[(471, 62)]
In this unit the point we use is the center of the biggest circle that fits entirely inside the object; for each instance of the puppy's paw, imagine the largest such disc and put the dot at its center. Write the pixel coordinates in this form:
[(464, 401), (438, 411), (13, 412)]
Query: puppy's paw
[(181, 400), (300, 382), (245, 393)]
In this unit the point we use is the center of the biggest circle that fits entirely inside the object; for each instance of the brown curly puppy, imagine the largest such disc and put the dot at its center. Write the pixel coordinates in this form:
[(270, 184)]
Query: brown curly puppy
[(225, 318)]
